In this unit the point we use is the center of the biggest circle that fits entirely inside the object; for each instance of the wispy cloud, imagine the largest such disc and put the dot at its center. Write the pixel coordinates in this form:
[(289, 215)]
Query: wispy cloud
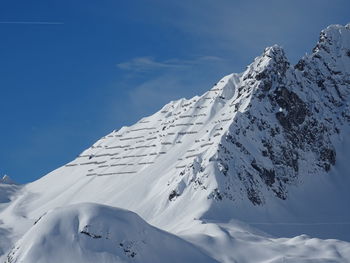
[(143, 64), (146, 64), (31, 22), (174, 79)]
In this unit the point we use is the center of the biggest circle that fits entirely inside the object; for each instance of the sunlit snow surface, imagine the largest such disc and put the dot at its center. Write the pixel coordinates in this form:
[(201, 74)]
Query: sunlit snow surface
[(95, 233), (216, 170)]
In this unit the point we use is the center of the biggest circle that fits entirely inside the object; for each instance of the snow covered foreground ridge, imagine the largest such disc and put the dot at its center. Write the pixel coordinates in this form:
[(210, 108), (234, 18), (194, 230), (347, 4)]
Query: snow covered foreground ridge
[(269, 146), (95, 233)]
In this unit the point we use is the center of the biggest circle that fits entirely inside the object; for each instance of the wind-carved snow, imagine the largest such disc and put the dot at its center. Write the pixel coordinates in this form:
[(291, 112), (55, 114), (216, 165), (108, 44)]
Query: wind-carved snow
[(268, 146)]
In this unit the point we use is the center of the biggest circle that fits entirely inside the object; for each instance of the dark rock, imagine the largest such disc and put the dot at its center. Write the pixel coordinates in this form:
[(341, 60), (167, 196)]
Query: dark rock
[(173, 195), (300, 65), (296, 109), (253, 196), (86, 232)]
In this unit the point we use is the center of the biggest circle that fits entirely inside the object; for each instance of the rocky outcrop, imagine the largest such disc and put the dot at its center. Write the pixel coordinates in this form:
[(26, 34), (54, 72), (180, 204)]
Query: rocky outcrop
[(286, 130)]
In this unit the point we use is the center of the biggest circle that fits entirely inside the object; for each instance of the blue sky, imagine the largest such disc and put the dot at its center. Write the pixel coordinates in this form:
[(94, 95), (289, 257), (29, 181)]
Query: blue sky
[(72, 71)]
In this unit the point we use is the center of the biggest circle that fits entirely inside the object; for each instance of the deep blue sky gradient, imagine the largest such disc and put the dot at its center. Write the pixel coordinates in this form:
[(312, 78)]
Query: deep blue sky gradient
[(108, 63)]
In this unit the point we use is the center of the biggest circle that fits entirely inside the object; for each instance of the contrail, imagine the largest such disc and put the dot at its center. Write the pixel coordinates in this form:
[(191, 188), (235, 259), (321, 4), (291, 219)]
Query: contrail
[(31, 22)]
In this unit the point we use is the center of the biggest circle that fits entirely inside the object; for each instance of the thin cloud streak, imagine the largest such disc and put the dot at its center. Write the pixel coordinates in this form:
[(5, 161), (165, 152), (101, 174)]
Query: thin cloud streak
[(31, 23), (143, 64)]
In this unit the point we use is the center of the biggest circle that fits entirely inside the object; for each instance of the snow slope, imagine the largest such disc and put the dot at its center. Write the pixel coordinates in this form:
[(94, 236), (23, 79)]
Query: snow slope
[(8, 191), (268, 147), (95, 233), (90, 232)]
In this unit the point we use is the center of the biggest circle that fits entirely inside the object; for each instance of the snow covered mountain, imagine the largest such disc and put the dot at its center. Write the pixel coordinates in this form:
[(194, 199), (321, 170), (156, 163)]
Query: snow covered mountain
[(268, 147)]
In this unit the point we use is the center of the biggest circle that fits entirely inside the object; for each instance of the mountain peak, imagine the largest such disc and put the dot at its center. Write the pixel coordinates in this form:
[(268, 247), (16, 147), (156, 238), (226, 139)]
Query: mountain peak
[(7, 180), (274, 51), (286, 112), (334, 40), (270, 56), (336, 28), (267, 69)]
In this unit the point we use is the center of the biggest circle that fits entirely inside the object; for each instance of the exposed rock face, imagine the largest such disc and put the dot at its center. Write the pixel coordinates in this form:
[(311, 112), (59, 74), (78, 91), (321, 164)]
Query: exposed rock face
[(286, 130)]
